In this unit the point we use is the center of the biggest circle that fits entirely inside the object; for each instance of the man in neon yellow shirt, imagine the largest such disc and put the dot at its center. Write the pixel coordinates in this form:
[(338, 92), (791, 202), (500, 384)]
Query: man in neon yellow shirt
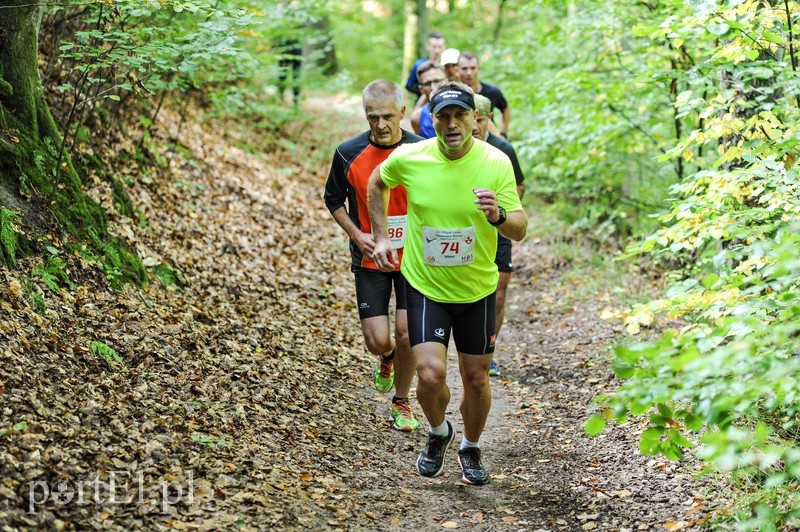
[(460, 193)]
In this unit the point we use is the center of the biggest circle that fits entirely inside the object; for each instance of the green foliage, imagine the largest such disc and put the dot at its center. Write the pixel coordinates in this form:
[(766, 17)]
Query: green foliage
[(37, 299), (116, 260), (53, 273), (209, 441), (9, 241), (108, 354), (118, 63), (375, 54), (729, 377), (592, 109), (169, 277)]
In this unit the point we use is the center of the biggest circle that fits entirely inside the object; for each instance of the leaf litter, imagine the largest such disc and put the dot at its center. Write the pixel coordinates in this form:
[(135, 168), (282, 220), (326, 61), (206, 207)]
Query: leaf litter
[(244, 401)]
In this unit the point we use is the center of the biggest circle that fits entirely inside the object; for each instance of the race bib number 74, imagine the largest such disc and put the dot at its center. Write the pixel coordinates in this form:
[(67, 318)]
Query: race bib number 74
[(449, 247)]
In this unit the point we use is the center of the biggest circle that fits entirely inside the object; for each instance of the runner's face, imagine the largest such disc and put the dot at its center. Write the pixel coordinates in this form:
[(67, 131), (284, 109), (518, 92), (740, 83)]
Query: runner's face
[(481, 127), (451, 71), (435, 47), (469, 71), (384, 121), (429, 80), (453, 125)]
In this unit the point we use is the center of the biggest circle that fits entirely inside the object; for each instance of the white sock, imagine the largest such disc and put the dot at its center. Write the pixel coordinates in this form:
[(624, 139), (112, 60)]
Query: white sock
[(441, 430), (465, 443)]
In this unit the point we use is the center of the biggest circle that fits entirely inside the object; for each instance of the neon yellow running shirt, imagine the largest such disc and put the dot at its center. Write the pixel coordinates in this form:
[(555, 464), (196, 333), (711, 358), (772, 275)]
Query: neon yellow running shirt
[(450, 246)]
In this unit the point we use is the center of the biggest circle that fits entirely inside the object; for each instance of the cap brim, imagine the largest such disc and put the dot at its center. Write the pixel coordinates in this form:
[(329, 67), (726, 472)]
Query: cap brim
[(442, 105)]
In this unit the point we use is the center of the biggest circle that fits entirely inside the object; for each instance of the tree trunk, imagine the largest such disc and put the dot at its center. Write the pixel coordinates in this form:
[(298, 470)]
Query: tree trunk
[(25, 119), (29, 149), (422, 27), (499, 25), (409, 38)]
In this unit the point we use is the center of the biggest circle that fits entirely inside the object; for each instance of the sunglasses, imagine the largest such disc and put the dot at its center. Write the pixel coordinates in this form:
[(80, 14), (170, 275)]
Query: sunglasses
[(431, 82)]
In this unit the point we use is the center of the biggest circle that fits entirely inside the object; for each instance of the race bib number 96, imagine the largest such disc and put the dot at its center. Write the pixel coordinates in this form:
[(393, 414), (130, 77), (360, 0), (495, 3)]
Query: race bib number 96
[(397, 230), (449, 247)]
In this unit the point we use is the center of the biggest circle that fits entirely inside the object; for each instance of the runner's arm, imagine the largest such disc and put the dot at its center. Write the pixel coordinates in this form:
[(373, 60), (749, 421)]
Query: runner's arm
[(384, 254), (415, 116), (364, 241), (504, 122), (516, 225)]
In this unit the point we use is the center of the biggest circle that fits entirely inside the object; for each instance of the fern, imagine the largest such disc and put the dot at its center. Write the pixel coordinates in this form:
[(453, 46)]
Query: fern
[(112, 256), (9, 241), (107, 353), (37, 300), (169, 276), (53, 274), (50, 280)]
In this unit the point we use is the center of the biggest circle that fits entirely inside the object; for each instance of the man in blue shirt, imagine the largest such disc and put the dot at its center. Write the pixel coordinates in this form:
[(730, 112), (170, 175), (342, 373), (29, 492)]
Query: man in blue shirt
[(434, 46), (431, 76)]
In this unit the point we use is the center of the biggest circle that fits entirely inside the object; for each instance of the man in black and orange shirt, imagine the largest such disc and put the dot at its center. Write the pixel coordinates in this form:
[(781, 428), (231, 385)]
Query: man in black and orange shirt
[(352, 165)]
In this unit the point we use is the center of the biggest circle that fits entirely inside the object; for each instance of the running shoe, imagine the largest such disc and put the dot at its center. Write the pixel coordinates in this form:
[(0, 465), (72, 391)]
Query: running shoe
[(403, 416), (494, 369), (431, 461), (472, 470), (383, 376)]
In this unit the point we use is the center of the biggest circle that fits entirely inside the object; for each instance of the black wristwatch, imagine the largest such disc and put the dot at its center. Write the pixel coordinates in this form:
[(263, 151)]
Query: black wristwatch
[(502, 217)]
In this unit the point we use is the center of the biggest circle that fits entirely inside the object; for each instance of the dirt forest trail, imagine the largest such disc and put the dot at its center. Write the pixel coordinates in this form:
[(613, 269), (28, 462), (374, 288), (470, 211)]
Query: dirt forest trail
[(249, 386), (547, 474)]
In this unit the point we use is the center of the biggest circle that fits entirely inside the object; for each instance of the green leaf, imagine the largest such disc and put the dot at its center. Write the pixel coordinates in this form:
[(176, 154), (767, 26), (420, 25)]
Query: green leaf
[(771, 37), (665, 410), (653, 433), (594, 425), (752, 55), (19, 427), (649, 447), (623, 369), (693, 422), (671, 451), (625, 354), (679, 439), (658, 420), (710, 280)]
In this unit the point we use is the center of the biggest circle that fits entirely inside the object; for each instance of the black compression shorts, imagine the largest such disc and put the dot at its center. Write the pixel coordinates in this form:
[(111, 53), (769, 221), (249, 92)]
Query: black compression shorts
[(472, 323), (374, 290), (503, 257)]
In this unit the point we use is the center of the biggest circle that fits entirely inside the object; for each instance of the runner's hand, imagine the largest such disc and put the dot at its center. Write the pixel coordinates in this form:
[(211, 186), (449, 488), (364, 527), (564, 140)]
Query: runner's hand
[(366, 243), (487, 202), (385, 255)]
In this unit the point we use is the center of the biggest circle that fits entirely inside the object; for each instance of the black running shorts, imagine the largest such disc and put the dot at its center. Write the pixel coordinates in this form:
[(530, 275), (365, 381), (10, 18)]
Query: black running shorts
[(503, 257), (374, 290), (472, 323)]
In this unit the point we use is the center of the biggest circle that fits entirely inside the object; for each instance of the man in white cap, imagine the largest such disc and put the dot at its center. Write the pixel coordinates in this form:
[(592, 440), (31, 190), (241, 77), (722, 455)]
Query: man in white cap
[(449, 62), (461, 192)]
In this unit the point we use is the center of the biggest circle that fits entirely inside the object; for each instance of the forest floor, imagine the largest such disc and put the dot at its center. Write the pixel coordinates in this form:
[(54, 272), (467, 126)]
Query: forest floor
[(243, 400)]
